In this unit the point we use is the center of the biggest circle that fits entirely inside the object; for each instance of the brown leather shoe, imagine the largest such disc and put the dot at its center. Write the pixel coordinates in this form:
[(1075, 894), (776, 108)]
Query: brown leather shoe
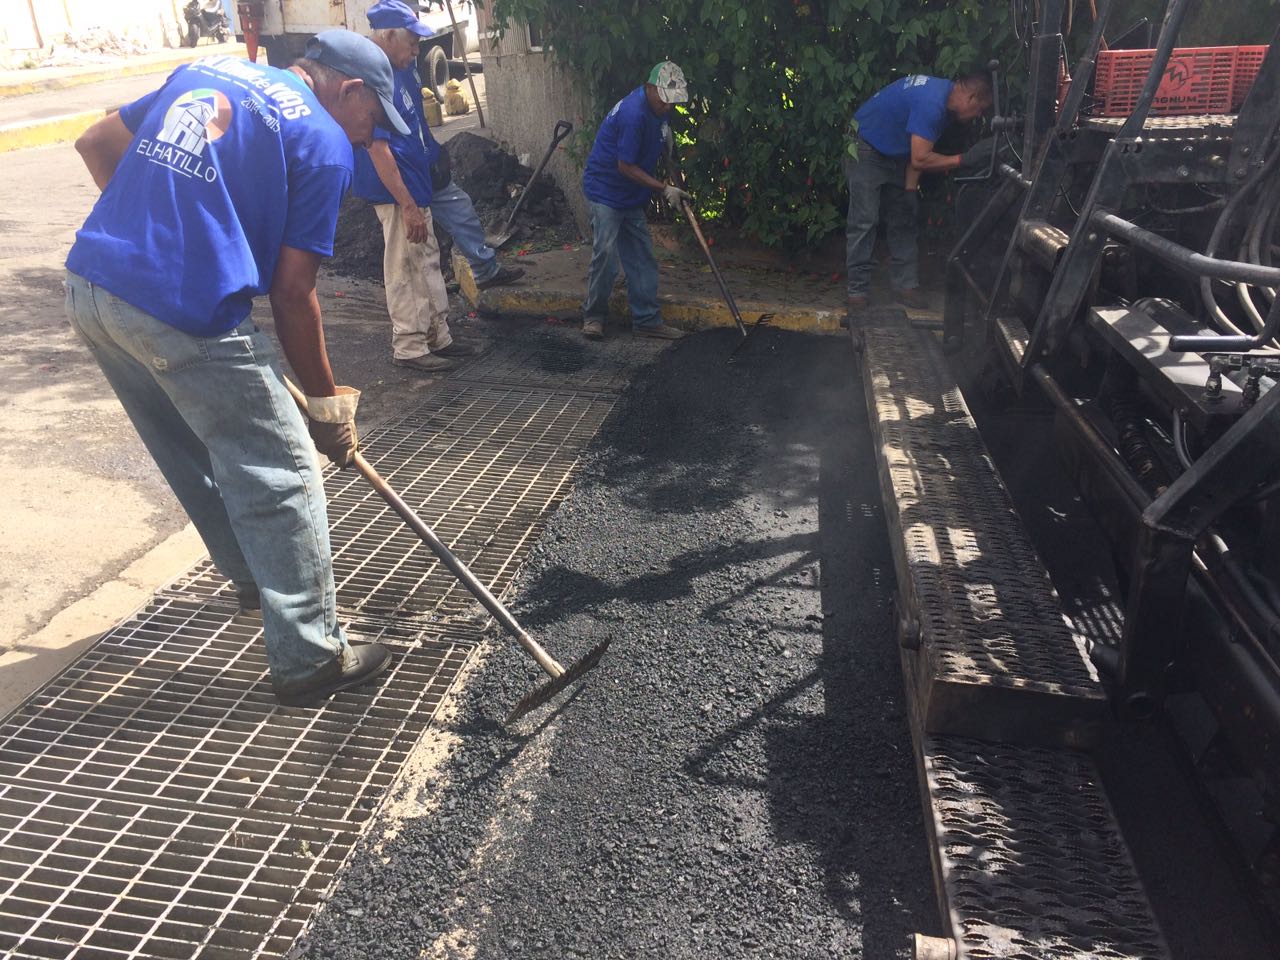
[(427, 363), (593, 329), (912, 297), (660, 331)]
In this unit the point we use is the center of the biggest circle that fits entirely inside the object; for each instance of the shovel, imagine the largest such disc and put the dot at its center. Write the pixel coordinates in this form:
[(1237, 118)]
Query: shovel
[(562, 129), (560, 676)]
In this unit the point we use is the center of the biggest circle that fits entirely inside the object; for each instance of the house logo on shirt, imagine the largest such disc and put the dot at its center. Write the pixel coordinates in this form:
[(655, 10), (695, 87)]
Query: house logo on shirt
[(194, 120)]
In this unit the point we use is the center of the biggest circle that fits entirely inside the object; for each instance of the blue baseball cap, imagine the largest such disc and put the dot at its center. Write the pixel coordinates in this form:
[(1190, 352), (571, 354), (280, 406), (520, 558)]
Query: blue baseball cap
[(361, 59), (390, 14)]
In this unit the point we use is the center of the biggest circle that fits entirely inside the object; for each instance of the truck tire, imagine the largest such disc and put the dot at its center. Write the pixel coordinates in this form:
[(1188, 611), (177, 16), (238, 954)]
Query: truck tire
[(436, 74)]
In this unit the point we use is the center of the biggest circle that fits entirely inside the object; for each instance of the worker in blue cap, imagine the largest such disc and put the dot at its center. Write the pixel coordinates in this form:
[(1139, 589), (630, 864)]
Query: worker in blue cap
[(219, 187), (398, 175), (619, 182)]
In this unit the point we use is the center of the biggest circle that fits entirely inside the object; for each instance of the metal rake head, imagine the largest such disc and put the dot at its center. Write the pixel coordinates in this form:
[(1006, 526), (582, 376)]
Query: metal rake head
[(548, 691)]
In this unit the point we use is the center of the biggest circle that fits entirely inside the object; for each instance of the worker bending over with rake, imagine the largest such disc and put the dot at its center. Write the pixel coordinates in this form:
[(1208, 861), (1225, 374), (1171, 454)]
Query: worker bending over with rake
[(394, 174), (219, 187), (618, 183), (896, 131)]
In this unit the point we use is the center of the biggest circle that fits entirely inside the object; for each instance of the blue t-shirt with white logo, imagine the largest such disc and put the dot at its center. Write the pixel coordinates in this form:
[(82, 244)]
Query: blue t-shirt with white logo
[(912, 106), (631, 133), (414, 153), (229, 162)]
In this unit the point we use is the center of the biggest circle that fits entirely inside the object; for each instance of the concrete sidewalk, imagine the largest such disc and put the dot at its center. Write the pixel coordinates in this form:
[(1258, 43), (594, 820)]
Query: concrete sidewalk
[(555, 282), (56, 104)]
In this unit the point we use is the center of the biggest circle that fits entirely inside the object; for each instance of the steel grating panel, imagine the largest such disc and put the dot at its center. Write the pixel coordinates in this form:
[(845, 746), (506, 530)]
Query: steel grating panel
[(1205, 123), (483, 465), (174, 708), (101, 878), (1031, 860), (993, 635), (563, 361)]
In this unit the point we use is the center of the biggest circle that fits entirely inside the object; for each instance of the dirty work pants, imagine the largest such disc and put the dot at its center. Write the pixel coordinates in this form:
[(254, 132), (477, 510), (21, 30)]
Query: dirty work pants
[(453, 210), (622, 236), (876, 192), (416, 298), (216, 417)]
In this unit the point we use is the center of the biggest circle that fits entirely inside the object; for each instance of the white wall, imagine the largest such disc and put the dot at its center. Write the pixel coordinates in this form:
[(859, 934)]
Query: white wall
[(155, 23)]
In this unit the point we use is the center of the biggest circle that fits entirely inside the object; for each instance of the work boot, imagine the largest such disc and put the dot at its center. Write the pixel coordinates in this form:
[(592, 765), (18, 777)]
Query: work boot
[(249, 599), (660, 331), (854, 305), (427, 363), (503, 276), (912, 297), (359, 663), (593, 329), (456, 349)]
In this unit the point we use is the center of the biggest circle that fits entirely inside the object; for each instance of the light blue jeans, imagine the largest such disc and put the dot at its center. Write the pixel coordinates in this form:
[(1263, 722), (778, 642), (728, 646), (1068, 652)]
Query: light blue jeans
[(452, 209), (216, 417), (622, 236)]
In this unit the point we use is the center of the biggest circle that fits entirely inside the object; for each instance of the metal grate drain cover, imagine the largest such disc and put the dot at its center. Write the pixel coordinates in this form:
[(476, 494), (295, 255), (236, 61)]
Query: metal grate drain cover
[(174, 707), (482, 465), (560, 361), (98, 878), (1031, 859)]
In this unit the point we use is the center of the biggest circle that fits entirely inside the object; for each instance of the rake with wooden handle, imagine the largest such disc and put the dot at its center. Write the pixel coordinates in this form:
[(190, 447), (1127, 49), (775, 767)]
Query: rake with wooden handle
[(560, 677)]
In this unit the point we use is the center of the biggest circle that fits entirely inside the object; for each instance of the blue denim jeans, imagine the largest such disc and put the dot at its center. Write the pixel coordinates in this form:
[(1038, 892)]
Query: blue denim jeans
[(216, 417), (452, 209), (877, 192), (622, 236)]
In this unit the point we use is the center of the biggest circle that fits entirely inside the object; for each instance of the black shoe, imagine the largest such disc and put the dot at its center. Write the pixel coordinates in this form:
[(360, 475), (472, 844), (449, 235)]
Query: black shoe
[(249, 599), (359, 663), (504, 275), (456, 349), (912, 297), (427, 363)]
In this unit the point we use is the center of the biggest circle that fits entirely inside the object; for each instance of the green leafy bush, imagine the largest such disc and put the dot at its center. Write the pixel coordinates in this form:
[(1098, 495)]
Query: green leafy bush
[(774, 84)]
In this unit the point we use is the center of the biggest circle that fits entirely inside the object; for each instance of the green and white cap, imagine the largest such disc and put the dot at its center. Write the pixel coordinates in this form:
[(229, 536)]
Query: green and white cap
[(669, 79)]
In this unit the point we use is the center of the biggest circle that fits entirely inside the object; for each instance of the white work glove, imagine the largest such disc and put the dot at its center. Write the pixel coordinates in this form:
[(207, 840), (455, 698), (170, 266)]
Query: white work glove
[(331, 421), (674, 196)]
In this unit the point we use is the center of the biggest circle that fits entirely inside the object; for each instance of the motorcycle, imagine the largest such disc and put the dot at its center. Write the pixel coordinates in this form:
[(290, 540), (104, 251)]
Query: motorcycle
[(206, 18)]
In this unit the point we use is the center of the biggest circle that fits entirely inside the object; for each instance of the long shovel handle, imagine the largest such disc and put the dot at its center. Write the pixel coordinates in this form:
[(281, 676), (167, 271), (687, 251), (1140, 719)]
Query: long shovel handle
[(446, 556), (562, 129), (715, 270)]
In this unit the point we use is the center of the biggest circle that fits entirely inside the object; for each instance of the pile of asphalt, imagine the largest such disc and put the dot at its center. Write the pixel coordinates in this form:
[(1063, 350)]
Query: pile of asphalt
[(493, 178), (735, 779)]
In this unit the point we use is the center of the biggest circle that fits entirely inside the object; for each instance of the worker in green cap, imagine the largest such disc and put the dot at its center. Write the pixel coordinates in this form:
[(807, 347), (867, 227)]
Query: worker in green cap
[(618, 183)]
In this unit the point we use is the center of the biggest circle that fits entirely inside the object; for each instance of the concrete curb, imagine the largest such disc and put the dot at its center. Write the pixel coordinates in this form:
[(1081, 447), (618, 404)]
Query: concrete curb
[(689, 312), (37, 658), (39, 133), (99, 72)]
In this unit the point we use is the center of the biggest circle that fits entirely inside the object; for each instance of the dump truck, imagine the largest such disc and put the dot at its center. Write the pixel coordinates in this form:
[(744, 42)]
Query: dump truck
[(281, 29)]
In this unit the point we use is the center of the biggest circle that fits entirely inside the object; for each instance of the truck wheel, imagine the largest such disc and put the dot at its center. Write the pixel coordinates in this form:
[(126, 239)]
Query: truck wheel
[(436, 76)]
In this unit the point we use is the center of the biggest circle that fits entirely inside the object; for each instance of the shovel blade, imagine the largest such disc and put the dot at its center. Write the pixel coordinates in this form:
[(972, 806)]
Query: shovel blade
[(549, 690)]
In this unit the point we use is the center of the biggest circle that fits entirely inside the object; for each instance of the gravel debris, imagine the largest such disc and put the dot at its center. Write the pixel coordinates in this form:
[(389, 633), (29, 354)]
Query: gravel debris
[(735, 778)]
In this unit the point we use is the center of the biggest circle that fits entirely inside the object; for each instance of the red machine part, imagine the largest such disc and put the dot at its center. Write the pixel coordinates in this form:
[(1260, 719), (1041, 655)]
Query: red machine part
[(251, 16), (1198, 80)]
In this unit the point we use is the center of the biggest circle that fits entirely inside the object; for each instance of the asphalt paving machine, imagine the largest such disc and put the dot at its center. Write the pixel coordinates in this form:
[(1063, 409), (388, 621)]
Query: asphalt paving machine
[(1121, 263)]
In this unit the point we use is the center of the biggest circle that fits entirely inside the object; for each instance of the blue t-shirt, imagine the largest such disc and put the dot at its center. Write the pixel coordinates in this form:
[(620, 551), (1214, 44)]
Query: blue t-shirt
[(632, 133), (912, 106), (414, 153), (229, 162)]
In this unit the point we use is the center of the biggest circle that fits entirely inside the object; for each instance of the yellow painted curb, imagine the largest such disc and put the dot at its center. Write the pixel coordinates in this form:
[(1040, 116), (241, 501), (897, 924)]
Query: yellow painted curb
[(39, 133), (690, 314), (188, 54)]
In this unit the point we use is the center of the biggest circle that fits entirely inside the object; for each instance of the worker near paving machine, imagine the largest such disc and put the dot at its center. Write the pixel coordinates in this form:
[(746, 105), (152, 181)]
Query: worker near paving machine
[(219, 187), (394, 174), (895, 135), (619, 182)]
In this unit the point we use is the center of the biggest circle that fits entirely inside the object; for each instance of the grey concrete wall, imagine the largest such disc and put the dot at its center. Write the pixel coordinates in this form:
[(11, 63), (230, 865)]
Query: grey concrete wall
[(527, 93)]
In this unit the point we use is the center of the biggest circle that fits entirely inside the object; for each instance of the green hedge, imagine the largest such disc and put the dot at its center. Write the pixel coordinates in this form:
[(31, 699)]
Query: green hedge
[(774, 83)]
